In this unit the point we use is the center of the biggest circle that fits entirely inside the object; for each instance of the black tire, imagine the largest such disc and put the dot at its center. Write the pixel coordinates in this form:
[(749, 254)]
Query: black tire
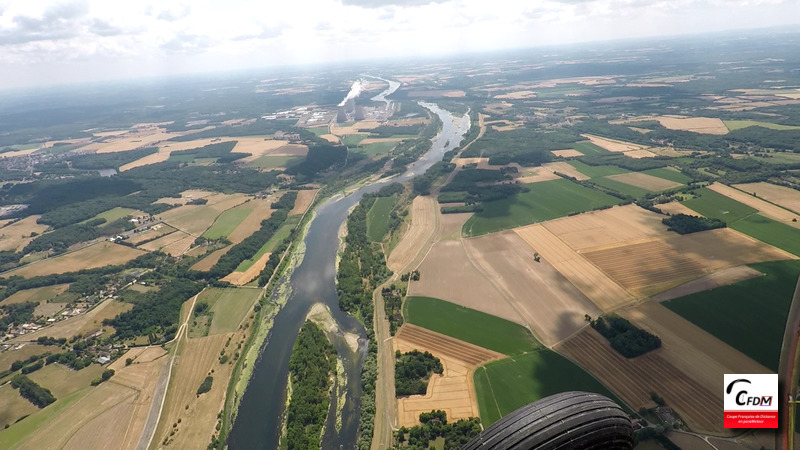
[(565, 421)]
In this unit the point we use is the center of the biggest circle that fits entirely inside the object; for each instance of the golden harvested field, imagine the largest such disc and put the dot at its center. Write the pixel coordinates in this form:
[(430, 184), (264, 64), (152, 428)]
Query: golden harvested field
[(101, 254), (15, 236), (780, 195), (536, 174), (607, 227), (186, 197), (695, 352), (591, 281), (331, 138), (453, 391), (165, 241), (722, 277), (704, 125), (424, 220), (130, 140), (242, 278), (516, 95), (62, 380), (83, 323), (544, 300), (195, 219), (566, 169), (41, 294), (768, 209), (567, 153), (448, 273), (647, 268), (304, 199), (196, 358), (261, 210), (637, 154), (633, 380), (208, 262), (613, 145), (81, 424), (437, 93), (355, 128)]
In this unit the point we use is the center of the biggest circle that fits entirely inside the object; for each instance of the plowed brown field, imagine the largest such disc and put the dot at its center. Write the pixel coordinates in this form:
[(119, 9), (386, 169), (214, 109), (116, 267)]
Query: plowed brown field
[(645, 181), (424, 217), (634, 379), (780, 195), (543, 298), (453, 391), (591, 281)]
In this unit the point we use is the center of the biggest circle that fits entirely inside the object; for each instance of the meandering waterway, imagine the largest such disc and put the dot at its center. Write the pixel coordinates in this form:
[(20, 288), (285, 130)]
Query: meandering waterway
[(258, 421)]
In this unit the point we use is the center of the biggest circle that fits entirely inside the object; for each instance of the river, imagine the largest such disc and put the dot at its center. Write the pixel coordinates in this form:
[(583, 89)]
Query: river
[(257, 424)]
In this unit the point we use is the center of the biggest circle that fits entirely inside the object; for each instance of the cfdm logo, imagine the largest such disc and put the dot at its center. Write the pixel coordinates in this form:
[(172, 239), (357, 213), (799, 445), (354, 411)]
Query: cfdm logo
[(751, 401)]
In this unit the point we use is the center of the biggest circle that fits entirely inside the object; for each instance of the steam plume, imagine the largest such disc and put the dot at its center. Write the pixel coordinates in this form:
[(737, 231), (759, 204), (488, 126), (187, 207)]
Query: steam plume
[(355, 91)]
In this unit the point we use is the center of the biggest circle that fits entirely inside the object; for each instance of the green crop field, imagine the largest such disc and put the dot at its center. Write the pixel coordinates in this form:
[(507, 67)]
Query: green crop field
[(620, 187), (750, 315), (587, 148), (746, 220), (544, 201), (506, 385), (767, 230), (226, 223), (319, 131), (275, 162), (378, 218), (278, 237), (714, 205), (376, 148), (113, 214), (738, 124), (352, 140), (229, 306), (469, 325), (597, 171), (669, 174)]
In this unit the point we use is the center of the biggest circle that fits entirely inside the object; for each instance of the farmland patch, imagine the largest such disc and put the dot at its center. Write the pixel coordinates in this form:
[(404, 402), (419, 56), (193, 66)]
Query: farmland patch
[(97, 255)]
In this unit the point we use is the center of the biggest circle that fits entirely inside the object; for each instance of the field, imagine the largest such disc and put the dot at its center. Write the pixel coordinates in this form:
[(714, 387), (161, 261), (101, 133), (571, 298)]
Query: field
[(13, 406), (226, 223), (738, 124), (154, 232), (228, 306), (453, 391), (596, 171), (261, 211), (175, 243), (568, 153), (448, 273), (208, 262), (115, 214), (613, 145), (645, 181), (704, 125), (17, 235), (593, 283), (376, 148), (719, 278), (669, 174), (62, 380), (281, 234), (779, 195), (544, 201), (37, 295), (567, 168), (539, 174), (101, 254), (9, 356), (304, 199), (378, 218), (424, 219), (771, 232), (621, 187), (765, 208), (718, 206), (633, 380), (506, 385), (275, 161), (196, 219), (588, 148), (544, 300), (727, 312), (254, 267), (469, 325)]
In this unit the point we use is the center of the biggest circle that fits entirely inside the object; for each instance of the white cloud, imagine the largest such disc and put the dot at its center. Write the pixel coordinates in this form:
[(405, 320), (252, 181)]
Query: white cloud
[(144, 37)]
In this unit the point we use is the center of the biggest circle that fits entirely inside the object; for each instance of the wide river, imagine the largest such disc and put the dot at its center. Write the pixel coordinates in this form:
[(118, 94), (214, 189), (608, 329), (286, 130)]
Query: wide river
[(257, 424)]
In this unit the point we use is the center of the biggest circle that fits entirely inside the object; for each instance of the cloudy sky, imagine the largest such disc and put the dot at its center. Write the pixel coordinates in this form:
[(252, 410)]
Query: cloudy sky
[(46, 42)]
